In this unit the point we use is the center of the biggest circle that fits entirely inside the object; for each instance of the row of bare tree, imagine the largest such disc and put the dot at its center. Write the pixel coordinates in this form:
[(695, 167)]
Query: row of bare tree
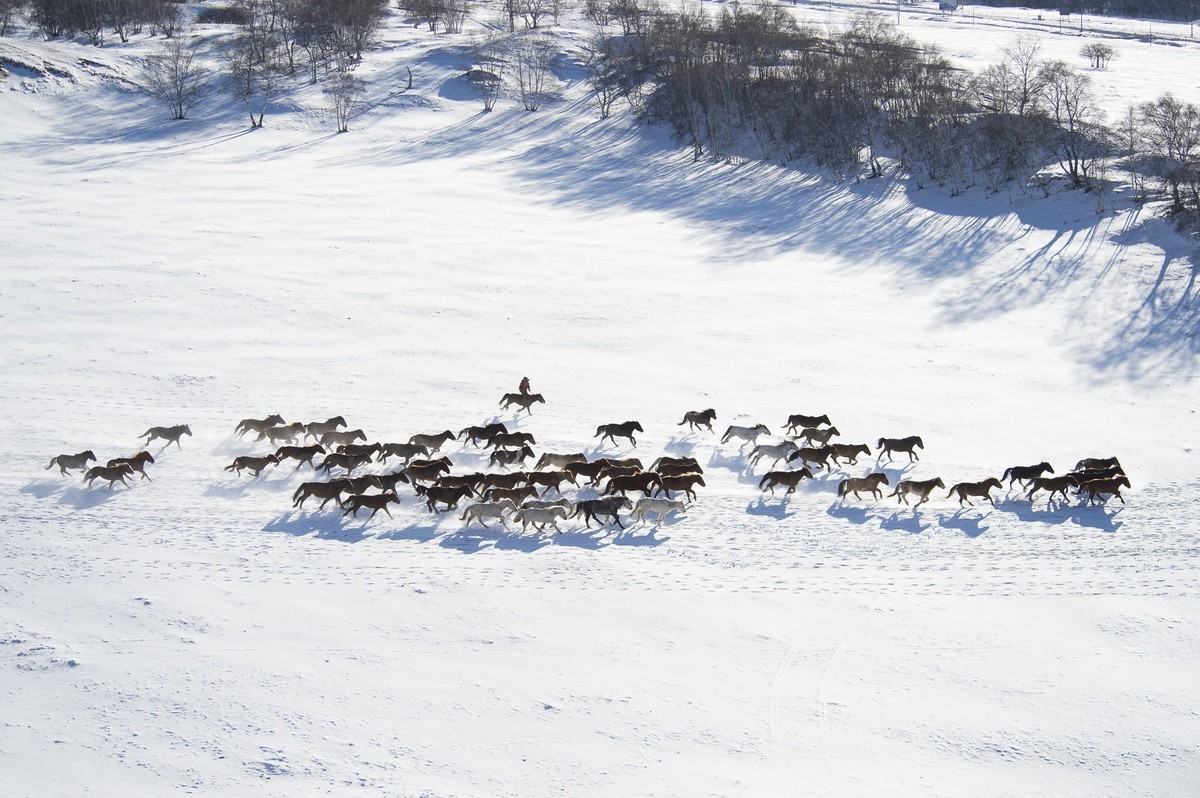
[(753, 81)]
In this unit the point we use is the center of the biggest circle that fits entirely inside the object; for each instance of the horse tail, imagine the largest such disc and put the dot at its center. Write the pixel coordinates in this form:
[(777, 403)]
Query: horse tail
[(681, 423), (147, 434), (599, 430), (842, 488), (1007, 473), (52, 462), (230, 467)]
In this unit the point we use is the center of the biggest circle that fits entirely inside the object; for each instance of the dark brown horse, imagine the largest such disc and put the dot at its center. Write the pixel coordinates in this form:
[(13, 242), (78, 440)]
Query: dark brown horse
[(525, 400), (254, 465), (912, 487), (980, 490), (258, 424), (1025, 474), (287, 433), (870, 482), (608, 507), (405, 451), (111, 473), (773, 479), (301, 454), (799, 421), (906, 445), (65, 462), (698, 418), (482, 433), (168, 434), (1053, 485), (316, 429), (684, 482), (623, 430), (375, 501), (450, 497), (433, 442)]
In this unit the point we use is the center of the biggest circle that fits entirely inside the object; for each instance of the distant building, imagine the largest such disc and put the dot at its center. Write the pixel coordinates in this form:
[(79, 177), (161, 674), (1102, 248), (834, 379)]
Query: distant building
[(948, 5)]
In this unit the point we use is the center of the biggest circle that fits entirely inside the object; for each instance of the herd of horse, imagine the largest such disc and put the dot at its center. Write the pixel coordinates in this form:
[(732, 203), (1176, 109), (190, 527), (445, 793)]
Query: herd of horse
[(523, 496)]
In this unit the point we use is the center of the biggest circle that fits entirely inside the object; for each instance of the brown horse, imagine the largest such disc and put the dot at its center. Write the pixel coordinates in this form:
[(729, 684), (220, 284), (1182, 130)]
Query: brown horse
[(66, 462), (288, 433), (508, 481), (912, 487), (517, 495), (253, 464), (1053, 485), (906, 445), (609, 507), (1097, 462), (525, 400), (330, 491), (511, 440), (482, 433), (848, 452), (675, 469), (623, 430), (257, 424), (507, 457), (773, 479), (980, 490), (698, 418), (870, 482), (433, 442), (168, 434), (675, 461), (818, 455), (643, 481), (821, 437), (1025, 474), (301, 454), (111, 473), (549, 479), (799, 421), (425, 472), (349, 462), (361, 448), (375, 501), (684, 482), (591, 470), (335, 438), (559, 460), (450, 497), (1100, 488), (316, 429), (137, 462), (405, 451)]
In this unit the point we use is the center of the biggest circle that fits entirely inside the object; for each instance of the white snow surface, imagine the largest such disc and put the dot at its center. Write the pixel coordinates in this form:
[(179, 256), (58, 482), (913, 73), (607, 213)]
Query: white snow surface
[(195, 635)]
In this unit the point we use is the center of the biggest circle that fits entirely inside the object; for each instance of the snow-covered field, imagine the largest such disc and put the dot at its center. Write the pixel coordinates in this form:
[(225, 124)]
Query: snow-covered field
[(195, 635)]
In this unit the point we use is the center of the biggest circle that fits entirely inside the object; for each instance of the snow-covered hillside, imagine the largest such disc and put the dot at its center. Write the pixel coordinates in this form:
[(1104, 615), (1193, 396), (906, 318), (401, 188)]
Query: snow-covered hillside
[(196, 634)]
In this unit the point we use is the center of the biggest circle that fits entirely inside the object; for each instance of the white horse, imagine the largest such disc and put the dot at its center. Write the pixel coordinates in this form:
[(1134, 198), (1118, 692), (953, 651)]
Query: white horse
[(659, 506), (540, 517), (482, 510), (777, 452), (745, 434)]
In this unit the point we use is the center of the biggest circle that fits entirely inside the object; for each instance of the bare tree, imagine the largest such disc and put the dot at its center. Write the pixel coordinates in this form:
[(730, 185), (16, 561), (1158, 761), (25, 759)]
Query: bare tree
[(344, 93), (1099, 54), (172, 77), (253, 76), (1171, 132), (531, 58), (605, 70), (1080, 138), (492, 63), (9, 9)]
